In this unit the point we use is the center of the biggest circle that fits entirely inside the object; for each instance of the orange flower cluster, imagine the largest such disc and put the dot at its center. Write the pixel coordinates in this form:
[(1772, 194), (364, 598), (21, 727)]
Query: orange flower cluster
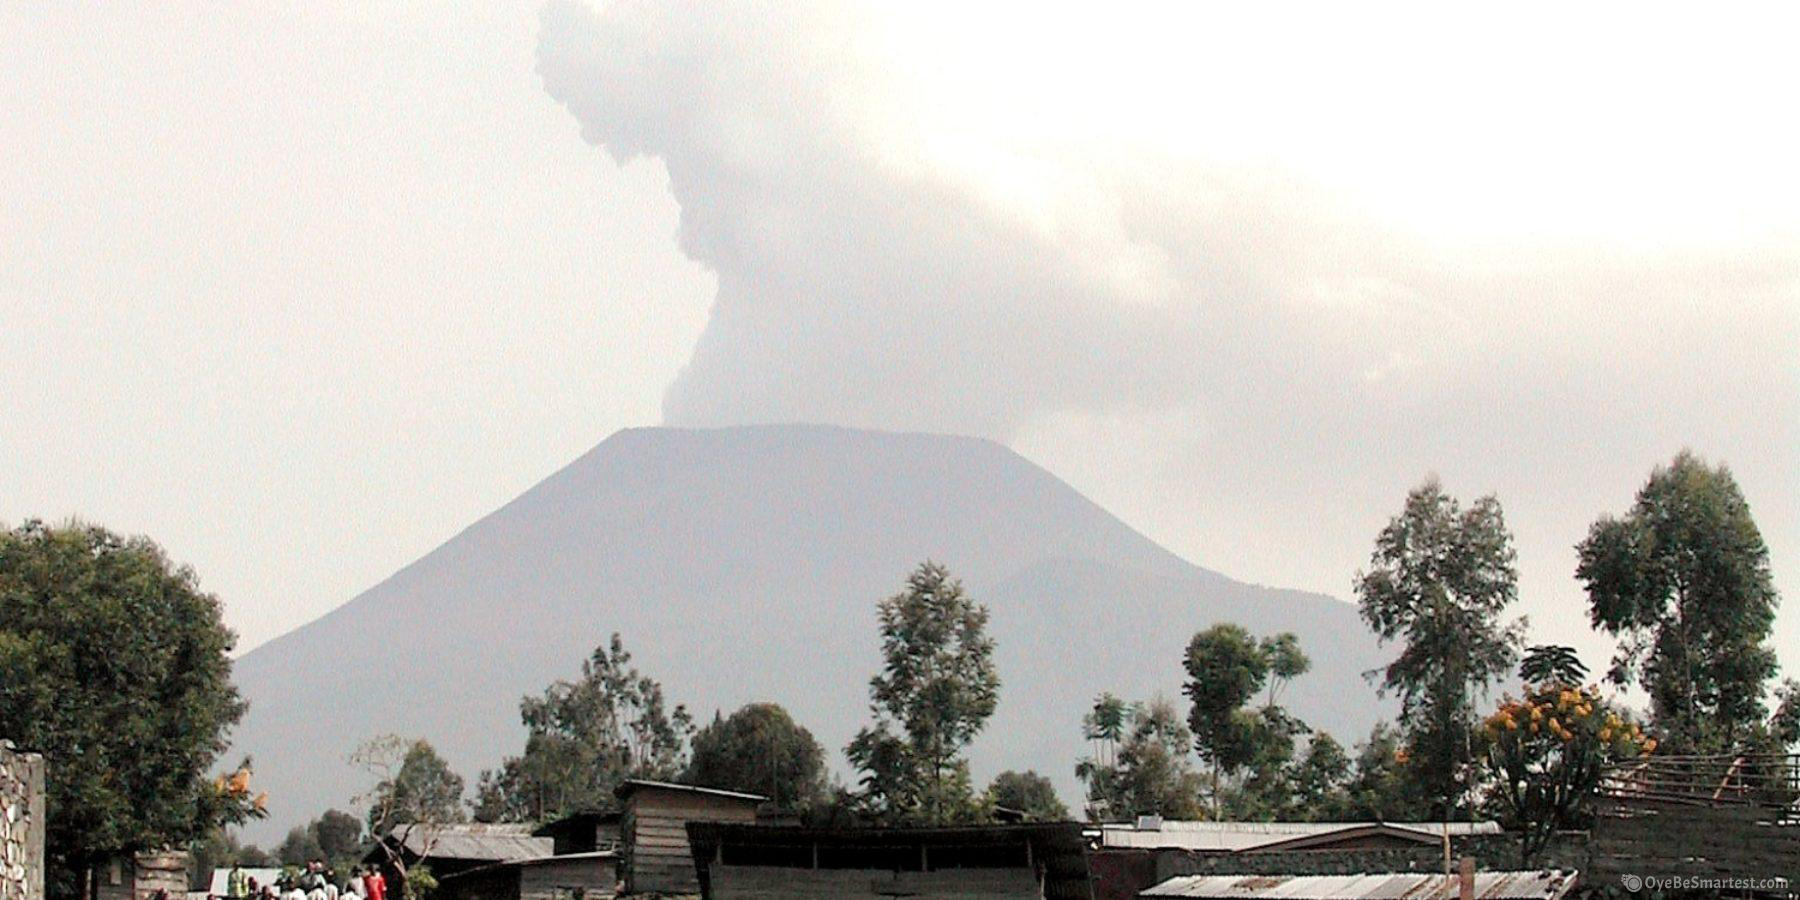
[(1566, 714), (236, 787)]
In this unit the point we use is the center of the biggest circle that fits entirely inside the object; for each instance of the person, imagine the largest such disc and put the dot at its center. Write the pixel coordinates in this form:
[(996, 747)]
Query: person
[(237, 883), (331, 884), (353, 886), (376, 884)]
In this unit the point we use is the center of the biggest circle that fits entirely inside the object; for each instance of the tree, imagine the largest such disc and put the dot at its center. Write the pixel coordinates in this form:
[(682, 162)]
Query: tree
[(415, 792), (117, 666), (934, 694), (1547, 753), (1379, 787), (760, 749), (1439, 580), (1151, 774), (1029, 793), (585, 737), (1684, 579), (1104, 725), (335, 837), (1321, 781), (1226, 668), (1552, 664)]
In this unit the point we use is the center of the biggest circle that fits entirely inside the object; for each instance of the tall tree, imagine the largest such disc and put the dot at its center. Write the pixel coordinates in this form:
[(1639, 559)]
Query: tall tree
[(1684, 579), (1226, 669), (583, 738), (760, 749), (1029, 793), (117, 666), (1439, 581), (935, 692)]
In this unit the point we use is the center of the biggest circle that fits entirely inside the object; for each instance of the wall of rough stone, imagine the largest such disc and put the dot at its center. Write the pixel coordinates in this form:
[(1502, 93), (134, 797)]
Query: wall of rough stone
[(21, 824)]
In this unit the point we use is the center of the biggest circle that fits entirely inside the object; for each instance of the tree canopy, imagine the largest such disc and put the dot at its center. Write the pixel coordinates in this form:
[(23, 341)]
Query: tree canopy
[(760, 749), (1028, 793), (583, 738), (115, 664), (1149, 771), (1439, 581), (1684, 578), (936, 690), (415, 786)]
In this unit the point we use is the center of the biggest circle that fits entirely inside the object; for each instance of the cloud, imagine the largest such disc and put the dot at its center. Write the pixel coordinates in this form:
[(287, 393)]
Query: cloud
[(907, 234)]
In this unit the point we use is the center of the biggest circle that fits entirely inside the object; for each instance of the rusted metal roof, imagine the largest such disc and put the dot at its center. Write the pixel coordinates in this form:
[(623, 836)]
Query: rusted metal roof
[(1532, 885), (493, 843), (1229, 837)]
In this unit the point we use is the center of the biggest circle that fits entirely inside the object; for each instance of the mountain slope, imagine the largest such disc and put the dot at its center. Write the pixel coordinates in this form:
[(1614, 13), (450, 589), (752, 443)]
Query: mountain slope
[(745, 564)]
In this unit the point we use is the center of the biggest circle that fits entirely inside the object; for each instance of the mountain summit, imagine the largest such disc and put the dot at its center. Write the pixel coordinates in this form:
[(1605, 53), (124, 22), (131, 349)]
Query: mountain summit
[(745, 564)]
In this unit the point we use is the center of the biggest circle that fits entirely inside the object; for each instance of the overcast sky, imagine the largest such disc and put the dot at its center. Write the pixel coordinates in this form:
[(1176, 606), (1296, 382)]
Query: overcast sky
[(301, 294)]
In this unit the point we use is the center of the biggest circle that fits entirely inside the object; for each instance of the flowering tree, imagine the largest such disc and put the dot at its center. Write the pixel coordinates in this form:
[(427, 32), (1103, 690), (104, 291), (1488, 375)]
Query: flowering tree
[(1547, 752)]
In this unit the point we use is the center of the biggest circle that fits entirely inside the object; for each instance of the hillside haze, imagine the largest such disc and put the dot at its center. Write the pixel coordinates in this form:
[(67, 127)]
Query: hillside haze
[(745, 564)]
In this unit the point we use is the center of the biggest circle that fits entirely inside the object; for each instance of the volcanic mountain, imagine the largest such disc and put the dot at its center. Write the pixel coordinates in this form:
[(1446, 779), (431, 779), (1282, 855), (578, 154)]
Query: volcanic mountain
[(744, 564)]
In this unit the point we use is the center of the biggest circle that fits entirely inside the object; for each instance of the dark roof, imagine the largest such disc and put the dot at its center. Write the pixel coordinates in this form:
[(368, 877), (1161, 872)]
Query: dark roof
[(632, 786), (485, 842), (574, 822), (534, 861), (1057, 846)]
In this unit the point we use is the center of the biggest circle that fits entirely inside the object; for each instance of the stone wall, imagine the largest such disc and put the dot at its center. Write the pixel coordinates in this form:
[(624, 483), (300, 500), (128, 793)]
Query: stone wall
[(21, 824)]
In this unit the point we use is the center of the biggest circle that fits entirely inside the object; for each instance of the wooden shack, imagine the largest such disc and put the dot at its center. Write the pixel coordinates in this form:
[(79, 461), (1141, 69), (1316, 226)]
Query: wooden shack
[(653, 849), (140, 876), (582, 832), (1001, 862)]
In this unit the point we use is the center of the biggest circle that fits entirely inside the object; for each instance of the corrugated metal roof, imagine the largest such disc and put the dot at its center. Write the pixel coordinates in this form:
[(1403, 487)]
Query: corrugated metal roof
[(1534, 885), (480, 841), (1236, 836)]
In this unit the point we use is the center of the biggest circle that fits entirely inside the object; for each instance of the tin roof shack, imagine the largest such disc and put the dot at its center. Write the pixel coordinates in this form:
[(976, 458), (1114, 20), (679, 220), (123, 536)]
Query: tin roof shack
[(751, 862), (653, 838), (1540, 885), (1131, 857), (592, 874), (583, 832), (451, 849)]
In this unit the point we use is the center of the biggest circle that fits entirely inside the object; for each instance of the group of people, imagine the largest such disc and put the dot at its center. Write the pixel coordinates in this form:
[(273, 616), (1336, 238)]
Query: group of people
[(315, 882)]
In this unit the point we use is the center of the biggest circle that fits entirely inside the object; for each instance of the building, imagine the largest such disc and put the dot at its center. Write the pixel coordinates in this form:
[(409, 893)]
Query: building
[(1004, 862), (452, 849), (583, 832), (1535, 885), (570, 876), (1153, 833), (140, 876), (654, 856)]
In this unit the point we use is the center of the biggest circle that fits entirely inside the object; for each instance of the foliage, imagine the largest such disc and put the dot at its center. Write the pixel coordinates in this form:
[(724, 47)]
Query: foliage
[(1226, 668), (760, 749), (1105, 726), (1439, 580), (1552, 664), (1546, 752), (416, 785), (220, 849), (1029, 793), (935, 693), (117, 666), (1784, 725), (1684, 578), (335, 837), (1150, 774), (1379, 788), (583, 739)]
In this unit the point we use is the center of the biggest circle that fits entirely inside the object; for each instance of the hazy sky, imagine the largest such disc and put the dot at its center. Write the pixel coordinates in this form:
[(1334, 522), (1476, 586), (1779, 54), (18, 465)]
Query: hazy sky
[(303, 293)]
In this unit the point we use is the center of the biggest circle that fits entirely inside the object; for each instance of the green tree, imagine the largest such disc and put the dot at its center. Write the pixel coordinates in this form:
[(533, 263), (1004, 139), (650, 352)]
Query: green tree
[(1104, 725), (1226, 669), (1028, 793), (1379, 787), (1439, 581), (1321, 782), (1552, 664), (934, 694), (117, 666), (583, 738), (1684, 579), (415, 792), (1151, 773), (760, 749)]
